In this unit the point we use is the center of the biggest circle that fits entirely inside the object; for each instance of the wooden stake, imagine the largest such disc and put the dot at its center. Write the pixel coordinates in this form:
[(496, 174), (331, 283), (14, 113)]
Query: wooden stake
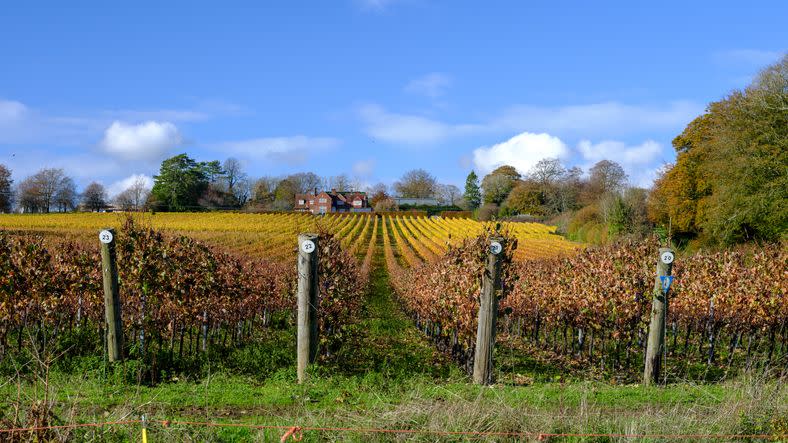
[(307, 302), (488, 311), (111, 295), (659, 311)]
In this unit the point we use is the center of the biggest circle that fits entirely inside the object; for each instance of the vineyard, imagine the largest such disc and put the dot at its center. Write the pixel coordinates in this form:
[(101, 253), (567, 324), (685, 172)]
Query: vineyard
[(193, 284), (592, 307), (272, 236)]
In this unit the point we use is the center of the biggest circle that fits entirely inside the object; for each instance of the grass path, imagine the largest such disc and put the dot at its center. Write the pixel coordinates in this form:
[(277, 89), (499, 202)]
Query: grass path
[(385, 340)]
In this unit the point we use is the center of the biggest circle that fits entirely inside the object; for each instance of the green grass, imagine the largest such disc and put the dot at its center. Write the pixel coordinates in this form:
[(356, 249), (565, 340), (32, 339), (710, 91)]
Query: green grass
[(386, 374), (419, 402)]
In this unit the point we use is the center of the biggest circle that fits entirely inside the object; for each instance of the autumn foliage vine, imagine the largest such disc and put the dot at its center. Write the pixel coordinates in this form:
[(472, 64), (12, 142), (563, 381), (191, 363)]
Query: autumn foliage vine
[(173, 288)]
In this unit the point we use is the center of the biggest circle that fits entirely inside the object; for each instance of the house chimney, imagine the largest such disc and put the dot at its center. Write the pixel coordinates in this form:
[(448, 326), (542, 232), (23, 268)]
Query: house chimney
[(315, 191)]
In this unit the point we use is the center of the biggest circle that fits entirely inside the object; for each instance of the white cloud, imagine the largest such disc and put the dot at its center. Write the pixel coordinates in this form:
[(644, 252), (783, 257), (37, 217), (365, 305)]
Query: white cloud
[(522, 151), (641, 162), (146, 141), (364, 168), (750, 57), (607, 119), (431, 85), (644, 153), (290, 150), (11, 112), (121, 185), (604, 118), (409, 129)]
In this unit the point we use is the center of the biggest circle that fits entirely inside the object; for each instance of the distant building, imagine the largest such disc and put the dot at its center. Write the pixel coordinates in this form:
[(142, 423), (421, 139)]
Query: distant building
[(416, 201), (327, 202)]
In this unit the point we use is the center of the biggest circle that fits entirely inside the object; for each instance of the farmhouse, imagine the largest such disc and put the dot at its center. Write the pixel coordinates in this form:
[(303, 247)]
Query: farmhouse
[(332, 201)]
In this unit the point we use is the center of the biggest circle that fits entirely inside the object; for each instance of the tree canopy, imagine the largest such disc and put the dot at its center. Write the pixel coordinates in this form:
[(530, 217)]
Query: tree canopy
[(180, 183), (499, 183), (94, 197), (730, 180), (416, 183)]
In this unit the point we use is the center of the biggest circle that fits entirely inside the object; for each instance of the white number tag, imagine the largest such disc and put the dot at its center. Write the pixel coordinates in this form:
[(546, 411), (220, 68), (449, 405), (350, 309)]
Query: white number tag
[(105, 237), (308, 246), (496, 248), (666, 257)]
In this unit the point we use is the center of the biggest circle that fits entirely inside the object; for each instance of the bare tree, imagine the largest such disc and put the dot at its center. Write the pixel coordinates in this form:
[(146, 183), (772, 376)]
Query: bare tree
[(417, 183), (340, 182), (140, 191), (135, 197), (607, 176), (547, 172), (125, 200), (6, 191), (29, 195), (233, 174), (449, 194), (242, 191), (304, 182), (48, 181), (65, 197), (94, 197)]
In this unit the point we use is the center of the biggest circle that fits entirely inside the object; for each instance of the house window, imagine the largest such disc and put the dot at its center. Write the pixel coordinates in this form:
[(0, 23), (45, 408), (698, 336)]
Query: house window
[(311, 202), (340, 203), (322, 200), (300, 202), (357, 203)]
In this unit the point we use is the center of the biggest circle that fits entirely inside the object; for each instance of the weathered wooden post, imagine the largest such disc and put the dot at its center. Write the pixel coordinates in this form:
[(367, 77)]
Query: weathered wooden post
[(109, 269), (307, 302), (659, 311), (488, 311)]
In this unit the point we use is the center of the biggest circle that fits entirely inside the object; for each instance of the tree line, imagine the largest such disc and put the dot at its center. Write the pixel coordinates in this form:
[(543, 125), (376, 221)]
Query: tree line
[(51, 190)]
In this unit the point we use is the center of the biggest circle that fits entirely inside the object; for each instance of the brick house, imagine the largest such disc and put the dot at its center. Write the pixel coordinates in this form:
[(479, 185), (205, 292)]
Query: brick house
[(332, 201)]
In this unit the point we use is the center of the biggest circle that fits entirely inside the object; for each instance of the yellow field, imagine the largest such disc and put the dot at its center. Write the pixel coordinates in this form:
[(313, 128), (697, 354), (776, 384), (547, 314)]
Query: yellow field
[(274, 235)]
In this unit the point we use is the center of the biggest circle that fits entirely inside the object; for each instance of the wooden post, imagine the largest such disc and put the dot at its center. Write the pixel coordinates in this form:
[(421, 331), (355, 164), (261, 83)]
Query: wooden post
[(307, 302), (109, 270), (659, 312), (488, 311)]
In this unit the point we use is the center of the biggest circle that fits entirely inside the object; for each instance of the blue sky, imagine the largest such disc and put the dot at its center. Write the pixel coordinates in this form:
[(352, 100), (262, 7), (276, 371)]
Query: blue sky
[(370, 88)]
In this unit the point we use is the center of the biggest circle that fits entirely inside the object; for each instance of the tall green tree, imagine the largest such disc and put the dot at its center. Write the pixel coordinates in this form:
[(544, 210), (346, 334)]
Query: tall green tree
[(180, 183), (473, 195), (213, 171)]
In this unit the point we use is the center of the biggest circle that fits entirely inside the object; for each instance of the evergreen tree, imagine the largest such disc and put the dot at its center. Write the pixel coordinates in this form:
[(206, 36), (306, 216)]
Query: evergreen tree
[(180, 183), (473, 195)]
